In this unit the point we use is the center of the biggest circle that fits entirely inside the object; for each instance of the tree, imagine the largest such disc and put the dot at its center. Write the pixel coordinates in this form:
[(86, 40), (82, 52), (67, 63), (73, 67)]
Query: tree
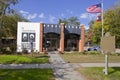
[(89, 33), (5, 4), (65, 21), (9, 30), (5, 8), (112, 18), (9, 27), (111, 24), (73, 21)]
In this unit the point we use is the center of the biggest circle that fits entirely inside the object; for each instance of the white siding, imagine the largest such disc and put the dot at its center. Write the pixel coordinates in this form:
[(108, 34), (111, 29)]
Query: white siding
[(30, 28)]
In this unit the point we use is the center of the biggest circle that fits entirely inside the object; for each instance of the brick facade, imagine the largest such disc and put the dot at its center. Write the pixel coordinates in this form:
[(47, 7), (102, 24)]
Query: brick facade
[(62, 38), (41, 38), (80, 42)]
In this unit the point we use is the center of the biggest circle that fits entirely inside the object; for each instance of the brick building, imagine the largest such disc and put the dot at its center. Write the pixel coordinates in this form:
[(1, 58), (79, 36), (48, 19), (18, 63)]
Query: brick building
[(40, 36)]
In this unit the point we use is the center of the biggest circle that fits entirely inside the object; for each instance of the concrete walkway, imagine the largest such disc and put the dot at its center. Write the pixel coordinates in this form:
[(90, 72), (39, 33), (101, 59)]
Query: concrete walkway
[(76, 65), (47, 65), (25, 66), (62, 70)]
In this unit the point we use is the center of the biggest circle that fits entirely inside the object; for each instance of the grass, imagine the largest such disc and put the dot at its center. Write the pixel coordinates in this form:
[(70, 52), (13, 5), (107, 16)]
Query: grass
[(26, 74), (91, 58), (9, 59), (96, 73)]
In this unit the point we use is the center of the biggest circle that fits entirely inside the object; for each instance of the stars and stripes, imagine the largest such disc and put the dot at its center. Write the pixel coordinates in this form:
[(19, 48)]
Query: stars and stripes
[(94, 8)]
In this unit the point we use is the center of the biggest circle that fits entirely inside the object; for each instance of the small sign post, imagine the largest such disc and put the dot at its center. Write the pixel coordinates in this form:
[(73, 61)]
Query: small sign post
[(107, 46), (106, 64)]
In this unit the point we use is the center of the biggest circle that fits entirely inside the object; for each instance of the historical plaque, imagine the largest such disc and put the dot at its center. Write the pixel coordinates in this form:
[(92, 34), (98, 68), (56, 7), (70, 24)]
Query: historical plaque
[(108, 43)]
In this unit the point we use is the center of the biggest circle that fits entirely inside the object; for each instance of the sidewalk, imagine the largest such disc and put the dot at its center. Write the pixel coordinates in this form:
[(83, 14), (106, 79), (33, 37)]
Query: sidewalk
[(47, 65), (24, 66), (76, 65), (62, 70)]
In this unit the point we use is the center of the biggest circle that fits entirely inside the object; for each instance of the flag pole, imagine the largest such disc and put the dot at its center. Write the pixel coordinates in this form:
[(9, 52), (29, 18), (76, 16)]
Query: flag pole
[(106, 56), (102, 19)]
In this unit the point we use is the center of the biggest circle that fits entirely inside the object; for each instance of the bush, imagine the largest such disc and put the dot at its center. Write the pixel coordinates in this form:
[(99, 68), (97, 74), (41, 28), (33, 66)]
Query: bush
[(24, 50), (9, 49), (13, 48), (6, 50), (92, 52)]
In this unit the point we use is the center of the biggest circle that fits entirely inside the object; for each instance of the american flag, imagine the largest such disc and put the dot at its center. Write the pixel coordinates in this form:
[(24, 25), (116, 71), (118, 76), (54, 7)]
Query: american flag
[(94, 8)]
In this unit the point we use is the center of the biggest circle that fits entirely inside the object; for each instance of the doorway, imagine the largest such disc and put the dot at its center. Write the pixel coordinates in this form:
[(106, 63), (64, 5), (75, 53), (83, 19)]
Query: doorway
[(51, 41)]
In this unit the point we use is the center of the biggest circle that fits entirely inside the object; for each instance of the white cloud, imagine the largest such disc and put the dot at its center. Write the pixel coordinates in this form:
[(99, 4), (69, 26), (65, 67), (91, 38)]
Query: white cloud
[(86, 27), (42, 15), (52, 18), (28, 15), (84, 15), (23, 12), (88, 16), (93, 16), (32, 16)]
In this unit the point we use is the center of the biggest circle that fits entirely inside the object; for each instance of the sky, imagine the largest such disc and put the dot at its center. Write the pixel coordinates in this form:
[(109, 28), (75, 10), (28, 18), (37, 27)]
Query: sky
[(50, 11)]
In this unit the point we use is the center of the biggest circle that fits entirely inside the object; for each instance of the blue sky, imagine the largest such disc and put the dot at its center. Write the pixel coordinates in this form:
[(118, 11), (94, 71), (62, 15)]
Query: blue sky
[(50, 11)]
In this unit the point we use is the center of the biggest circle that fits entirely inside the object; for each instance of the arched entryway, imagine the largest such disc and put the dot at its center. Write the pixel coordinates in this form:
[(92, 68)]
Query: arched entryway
[(71, 42), (51, 41)]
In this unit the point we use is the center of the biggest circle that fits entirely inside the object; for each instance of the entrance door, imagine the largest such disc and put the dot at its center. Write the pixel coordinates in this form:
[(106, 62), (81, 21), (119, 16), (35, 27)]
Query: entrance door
[(71, 42), (52, 44)]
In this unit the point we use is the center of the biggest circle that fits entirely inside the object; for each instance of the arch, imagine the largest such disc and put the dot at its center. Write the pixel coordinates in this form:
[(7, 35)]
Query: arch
[(72, 42), (51, 41)]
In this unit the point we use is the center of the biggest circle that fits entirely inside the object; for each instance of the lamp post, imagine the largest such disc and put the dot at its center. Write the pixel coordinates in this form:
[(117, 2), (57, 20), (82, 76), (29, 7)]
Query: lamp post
[(31, 44), (31, 40)]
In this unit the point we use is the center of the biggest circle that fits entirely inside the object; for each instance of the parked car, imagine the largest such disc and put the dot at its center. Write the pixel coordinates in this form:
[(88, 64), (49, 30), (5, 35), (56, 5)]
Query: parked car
[(94, 48)]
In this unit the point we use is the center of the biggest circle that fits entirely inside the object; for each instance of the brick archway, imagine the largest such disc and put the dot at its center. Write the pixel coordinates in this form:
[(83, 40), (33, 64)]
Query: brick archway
[(63, 30), (51, 41), (72, 42)]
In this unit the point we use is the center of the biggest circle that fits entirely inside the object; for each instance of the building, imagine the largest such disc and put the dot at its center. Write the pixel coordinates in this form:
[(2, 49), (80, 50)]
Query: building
[(40, 36)]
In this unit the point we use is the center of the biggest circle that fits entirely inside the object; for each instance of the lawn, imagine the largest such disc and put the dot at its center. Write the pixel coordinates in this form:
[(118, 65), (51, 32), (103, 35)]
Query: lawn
[(26, 74), (91, 58), (9, 59), (96, 73)]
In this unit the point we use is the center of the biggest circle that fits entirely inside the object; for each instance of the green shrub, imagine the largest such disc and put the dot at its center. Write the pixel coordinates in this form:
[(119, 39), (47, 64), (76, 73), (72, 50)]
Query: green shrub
[(24, 50), (92, 52), (6, 50), (13, 48), (9, 49)]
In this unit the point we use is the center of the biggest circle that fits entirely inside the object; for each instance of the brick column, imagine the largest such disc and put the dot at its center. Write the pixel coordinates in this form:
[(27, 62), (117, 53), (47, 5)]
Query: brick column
[(81, 41), (62, 38), (41, 38)]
